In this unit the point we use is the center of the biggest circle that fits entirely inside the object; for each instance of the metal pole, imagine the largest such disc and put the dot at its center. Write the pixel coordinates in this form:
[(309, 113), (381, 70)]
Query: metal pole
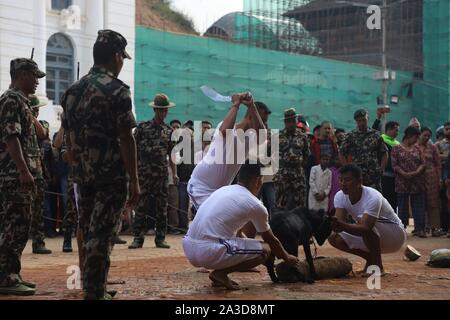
[(385, 83)]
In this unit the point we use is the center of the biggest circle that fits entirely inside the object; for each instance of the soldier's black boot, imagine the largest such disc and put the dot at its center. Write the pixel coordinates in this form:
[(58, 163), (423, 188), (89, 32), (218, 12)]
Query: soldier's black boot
[(26, 283), (136, 244), (118, 240), (39, 248), (162, 244), (67, 244)]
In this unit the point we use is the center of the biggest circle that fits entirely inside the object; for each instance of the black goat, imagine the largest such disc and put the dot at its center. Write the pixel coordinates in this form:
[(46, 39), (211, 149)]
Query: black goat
[(296, 227)]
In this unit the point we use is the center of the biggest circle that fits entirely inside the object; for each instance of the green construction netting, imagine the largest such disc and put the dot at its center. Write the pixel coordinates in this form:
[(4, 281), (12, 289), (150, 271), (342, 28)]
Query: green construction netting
[(320, 89), (432, 100)]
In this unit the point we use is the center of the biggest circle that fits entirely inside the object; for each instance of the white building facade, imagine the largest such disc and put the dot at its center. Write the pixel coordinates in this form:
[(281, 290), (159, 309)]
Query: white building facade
[(62, 33)]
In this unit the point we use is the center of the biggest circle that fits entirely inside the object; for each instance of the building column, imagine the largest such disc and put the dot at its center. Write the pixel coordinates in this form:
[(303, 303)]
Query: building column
[(40, 39), (94, 21)]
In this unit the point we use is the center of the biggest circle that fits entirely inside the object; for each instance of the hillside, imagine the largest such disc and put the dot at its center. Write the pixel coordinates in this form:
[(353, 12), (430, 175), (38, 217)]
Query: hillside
[(159, 15)]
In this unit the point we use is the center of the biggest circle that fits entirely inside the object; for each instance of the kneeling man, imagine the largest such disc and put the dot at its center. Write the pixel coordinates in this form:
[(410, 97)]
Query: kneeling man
[(211, 240), (377, 229)]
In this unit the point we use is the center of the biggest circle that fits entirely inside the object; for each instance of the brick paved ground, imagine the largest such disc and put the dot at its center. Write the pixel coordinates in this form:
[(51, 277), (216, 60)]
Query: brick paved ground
[(152, 273)]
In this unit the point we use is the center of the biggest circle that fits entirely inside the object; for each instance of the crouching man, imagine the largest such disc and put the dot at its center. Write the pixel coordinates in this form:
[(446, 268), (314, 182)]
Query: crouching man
[(377, 230), (211, 240)]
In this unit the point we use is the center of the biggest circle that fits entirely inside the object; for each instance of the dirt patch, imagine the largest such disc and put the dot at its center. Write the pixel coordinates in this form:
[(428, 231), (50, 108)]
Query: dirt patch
[(147, 17)]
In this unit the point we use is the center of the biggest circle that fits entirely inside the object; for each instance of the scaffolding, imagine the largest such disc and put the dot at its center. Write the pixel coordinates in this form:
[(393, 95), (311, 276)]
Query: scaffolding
[(290, 34), (332, 29)]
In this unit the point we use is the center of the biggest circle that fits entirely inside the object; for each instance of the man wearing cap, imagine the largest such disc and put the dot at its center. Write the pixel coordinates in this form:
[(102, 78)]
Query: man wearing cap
[(37, 208), (98, 123), (20, 166), (290, 180), (154, 145), (367, 150)]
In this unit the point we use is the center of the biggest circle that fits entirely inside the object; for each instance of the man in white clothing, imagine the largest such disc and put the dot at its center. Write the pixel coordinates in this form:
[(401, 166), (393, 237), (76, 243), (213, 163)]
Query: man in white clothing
[(211, 241), (220, 166), (377, 229), (320, 184)]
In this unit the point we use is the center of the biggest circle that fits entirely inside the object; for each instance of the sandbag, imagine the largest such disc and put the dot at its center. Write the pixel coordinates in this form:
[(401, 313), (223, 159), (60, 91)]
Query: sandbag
[(440, 258), (326, 268)]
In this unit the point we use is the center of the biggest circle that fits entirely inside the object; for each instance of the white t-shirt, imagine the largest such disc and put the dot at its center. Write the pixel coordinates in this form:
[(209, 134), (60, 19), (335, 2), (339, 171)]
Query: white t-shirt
[(219, 166), (226, 211), (372, 203)]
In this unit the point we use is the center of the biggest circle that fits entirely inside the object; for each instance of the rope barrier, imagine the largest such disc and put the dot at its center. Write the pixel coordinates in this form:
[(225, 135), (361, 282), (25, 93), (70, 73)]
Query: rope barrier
[(147, 215), (51, 219), (54, 193)]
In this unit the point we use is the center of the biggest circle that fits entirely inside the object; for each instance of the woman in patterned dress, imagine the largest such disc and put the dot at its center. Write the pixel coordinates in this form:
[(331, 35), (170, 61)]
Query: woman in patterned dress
[(409, 167), (431, 180)]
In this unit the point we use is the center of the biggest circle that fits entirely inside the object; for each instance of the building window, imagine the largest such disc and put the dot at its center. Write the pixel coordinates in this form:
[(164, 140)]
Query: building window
[(60, 67), (61, 4)]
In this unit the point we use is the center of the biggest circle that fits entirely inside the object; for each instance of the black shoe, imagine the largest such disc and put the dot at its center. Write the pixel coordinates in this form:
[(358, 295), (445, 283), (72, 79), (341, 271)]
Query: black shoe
[(112, 293), (18, 289), (67, 245), (136, 244), (27, 283), (117, 240), (39, 248), (162, 244)]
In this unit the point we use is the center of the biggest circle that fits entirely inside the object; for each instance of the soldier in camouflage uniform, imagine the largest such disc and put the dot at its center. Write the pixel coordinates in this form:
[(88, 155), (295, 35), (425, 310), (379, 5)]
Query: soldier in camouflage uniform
[(98, 123), (290, 180), (154, 144), (20, 165), (367, 150), (37, 207), (70, 220)]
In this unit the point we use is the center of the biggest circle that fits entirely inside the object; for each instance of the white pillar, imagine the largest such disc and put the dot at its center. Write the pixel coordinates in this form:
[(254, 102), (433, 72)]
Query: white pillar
[(94, 21), (40, 39), (94, 16), (106, 15)]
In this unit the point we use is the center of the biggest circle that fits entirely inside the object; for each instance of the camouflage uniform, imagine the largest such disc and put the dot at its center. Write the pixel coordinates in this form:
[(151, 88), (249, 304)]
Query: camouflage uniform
[(366, 150), (96, 108), (37, 233), (290, 180), (70, 219), (154, 145), (15, 120), (37, 207)]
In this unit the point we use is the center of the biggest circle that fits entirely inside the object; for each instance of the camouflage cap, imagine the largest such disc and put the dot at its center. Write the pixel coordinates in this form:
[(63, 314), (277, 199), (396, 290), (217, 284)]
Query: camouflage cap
[(114, 39), (27, 65), (360, 113)]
